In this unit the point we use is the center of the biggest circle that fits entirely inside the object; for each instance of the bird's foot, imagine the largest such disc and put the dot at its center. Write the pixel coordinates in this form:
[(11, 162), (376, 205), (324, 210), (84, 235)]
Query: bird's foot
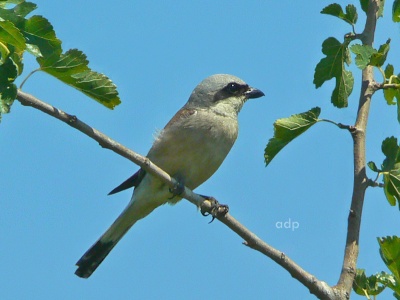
[(212, 207), (177, 189)]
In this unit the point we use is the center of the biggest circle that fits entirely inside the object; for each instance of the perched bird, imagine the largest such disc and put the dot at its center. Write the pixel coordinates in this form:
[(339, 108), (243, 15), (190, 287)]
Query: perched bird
[(190, 148)]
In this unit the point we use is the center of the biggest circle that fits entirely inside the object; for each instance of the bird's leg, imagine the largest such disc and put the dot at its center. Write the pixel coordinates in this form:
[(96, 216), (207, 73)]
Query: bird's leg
[(177, 189), (215, 209)]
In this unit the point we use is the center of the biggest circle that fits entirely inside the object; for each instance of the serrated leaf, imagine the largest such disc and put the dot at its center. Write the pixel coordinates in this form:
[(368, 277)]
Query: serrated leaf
[(396, 11), (71, 62), (332, 66), (18, 13), (378, 58), (386, 279), (333, 9), (9, 34), (360, 282), (351, 14), (364, 285), (390, 253), (287, 129), (25, 8), (41, 38), (11, 1), (72, 68), (336, 10), (373, 166), (363, 54)]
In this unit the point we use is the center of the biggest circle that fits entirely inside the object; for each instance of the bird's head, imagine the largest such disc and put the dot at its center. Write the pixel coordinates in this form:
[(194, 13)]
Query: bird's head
[(222, 92)]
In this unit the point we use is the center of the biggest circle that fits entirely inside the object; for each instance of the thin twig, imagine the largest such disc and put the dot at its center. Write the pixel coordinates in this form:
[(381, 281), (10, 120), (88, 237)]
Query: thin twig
[(316, 287), (386, 86)]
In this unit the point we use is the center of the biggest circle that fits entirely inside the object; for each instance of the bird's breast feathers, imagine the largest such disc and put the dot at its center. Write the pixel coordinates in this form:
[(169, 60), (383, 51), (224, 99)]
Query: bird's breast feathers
[(206, 140)]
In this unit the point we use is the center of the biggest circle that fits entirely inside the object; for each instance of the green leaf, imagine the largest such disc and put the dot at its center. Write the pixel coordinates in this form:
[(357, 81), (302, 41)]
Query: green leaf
[(391, 185), (9, 34), (390, 149), (287, 129), (332, 66), (72, 68), (373, 166), (4, 52), (41, 38), (343, 88), (396, 11), (72, 62), (17, 61), (18, 13), (390, 253), (351, 14), (5, 2), (387, 280), (364, 285), (378, 58), (363, 54), (392, 93), (364, 6), (398, 106), (25, 8), (389, 71), (366, 55), (8, 71), (391, 170), (336, 10), (389, 94), (8, 93)]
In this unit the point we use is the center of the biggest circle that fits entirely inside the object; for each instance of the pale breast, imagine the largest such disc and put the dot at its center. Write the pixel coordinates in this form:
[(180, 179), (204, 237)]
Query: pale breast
[(193, 148)]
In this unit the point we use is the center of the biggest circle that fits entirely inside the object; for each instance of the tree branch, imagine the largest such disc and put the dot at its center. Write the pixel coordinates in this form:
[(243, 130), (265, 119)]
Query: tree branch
[(344, 285), (319, 288)]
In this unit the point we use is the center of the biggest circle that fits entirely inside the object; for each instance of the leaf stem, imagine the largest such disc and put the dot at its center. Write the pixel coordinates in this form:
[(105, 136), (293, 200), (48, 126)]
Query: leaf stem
[(340, 125), (383, 74), (27, 77)]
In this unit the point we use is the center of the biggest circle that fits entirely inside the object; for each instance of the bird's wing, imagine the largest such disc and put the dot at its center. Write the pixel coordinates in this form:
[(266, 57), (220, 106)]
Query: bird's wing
[(132, 181)]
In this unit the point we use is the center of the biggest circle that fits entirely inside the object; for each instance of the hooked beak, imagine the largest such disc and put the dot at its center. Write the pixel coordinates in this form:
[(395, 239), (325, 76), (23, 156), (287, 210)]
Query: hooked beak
[(254, 93)]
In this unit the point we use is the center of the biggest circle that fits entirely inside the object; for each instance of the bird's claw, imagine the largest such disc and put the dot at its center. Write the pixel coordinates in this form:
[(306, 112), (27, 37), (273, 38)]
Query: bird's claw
[(213, 208)]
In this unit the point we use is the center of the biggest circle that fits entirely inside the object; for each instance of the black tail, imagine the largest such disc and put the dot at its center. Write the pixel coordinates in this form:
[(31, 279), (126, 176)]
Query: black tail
[(93, 258)]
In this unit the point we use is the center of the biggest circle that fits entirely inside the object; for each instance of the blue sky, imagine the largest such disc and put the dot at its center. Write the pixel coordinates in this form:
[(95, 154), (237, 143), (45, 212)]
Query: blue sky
[(55, 180)]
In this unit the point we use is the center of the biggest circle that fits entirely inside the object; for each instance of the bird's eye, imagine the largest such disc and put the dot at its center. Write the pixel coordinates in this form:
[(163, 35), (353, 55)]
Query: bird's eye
[(233, 87)]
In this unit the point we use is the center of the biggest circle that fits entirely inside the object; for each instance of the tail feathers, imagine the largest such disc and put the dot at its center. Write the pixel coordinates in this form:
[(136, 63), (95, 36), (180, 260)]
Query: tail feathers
[(89, 262), (93, 258), (99, 251)]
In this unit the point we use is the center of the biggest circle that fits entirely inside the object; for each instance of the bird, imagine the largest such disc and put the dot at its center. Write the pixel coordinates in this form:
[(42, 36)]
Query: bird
[(190, 148)]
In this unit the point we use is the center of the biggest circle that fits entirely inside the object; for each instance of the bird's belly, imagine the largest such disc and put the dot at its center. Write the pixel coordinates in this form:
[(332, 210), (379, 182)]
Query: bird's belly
[(194, 156)]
